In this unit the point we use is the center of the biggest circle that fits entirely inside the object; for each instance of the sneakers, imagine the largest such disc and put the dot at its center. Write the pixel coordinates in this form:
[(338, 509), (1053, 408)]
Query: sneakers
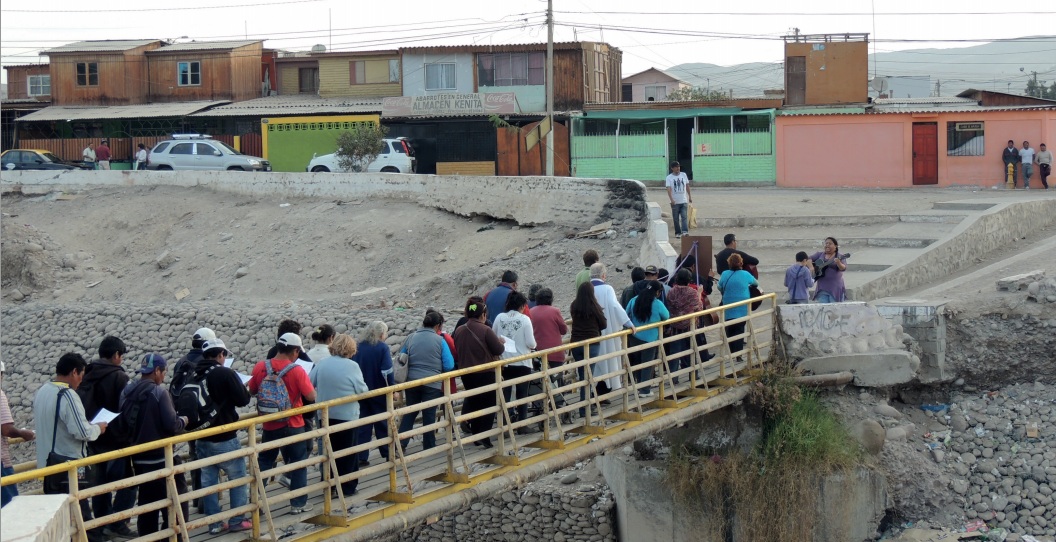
[(240, 526), (119, 530), (218, 529), (301, 510), (645, 394), (284, 481)]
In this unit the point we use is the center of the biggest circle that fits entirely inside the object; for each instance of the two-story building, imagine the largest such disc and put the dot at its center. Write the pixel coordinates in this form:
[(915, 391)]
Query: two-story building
[(28, 90), (650, 85)]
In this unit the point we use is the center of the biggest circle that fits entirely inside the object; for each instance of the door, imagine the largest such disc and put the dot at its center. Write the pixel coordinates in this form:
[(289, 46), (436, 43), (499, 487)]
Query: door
[(796, 80), (925, 153), (182, 156), (208, 157)]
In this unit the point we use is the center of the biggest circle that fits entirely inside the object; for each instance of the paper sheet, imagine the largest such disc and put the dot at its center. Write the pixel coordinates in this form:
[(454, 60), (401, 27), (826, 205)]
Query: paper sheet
[(228, 362), (104, 416), (306, 365), (511, 345), (245, 378)]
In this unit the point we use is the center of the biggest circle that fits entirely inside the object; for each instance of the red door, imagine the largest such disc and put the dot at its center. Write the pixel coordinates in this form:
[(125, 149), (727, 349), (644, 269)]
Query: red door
[(925, 153)]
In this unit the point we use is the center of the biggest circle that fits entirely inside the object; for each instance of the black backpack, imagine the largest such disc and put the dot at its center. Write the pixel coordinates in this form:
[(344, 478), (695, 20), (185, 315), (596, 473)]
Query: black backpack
[(182, 373), (193, 401), (124, 429)]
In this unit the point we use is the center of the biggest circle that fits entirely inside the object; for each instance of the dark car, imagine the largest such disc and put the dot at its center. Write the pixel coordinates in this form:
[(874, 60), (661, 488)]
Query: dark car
[(33, 159)]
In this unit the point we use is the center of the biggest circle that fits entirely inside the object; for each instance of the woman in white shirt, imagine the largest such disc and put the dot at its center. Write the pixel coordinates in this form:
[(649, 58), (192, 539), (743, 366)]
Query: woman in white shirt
[(323, 336), (516, 327), (141, 158)]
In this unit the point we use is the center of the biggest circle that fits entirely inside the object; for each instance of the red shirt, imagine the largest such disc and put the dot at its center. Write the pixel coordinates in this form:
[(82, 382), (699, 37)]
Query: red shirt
[(102, 153), (297, 384), (549, 327)]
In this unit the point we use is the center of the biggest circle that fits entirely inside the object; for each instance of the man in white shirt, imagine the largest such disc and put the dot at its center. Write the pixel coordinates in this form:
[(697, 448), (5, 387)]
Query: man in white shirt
[(1044, 160), (1026, 156), (88, 157), (678, 192)]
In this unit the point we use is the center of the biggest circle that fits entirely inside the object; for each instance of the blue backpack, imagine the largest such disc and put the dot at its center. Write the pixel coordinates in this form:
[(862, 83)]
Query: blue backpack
[(272, 396)]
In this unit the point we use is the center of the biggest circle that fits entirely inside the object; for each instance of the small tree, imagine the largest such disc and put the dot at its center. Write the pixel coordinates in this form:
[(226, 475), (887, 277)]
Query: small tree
[(358, 148), (686, 94)]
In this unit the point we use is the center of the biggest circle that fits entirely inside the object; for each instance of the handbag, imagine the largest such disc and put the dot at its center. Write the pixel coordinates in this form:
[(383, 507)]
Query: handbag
[(55, 484), (401, 366)]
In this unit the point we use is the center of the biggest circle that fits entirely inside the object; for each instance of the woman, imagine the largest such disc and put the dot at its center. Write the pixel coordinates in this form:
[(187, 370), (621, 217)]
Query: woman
[(514, 326), (141, 158), (588, 319), (428, 355), (681, 300), (375, 361), (335, 377), (734, 283), (829, 266), (549, 326), (476, 345), (323, 336), (644, 309)]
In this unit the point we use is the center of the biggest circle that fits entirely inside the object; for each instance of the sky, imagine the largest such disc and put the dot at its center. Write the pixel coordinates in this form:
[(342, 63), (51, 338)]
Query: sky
[(651, 34)]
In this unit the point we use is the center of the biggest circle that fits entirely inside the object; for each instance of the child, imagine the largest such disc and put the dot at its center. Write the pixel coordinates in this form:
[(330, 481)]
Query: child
[(799, 278)]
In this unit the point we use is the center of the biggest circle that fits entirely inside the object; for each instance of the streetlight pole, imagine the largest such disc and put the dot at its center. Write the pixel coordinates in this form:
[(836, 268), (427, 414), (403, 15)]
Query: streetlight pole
[(550, 86)]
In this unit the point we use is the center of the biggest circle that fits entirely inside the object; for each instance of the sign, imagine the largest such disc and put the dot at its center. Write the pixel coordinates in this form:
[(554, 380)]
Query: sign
[(705, 148), (531, 139), (968, 126), (439, 105)]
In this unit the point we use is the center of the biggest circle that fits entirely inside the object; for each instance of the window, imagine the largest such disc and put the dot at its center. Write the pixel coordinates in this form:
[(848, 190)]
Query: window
[(308, 80), (182, 148), (655, 93), (87, 74), (394, 71), (189, 74), (511, 69), (964, 139), (357, 72), (39, 85), (440, 76)]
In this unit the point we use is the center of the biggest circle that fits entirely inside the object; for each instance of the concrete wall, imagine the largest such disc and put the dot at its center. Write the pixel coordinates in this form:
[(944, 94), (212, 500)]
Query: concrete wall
[(41, 518), (527, 200), (925, 322), (656, 247)]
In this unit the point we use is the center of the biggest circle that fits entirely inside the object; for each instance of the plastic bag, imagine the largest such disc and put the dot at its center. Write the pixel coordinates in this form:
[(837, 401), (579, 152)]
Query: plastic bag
[(692, 216)]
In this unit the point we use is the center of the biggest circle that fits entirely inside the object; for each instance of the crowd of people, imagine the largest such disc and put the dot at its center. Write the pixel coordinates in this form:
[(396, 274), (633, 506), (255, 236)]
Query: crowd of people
[(1023, 160), (93, 408)]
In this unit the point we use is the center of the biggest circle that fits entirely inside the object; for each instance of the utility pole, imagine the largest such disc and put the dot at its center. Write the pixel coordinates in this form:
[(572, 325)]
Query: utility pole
[(938, 87), (550, 86)]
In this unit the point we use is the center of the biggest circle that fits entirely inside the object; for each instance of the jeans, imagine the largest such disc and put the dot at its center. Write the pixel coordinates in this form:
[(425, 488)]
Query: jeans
[(1028, 172), (675, 348), (380, 430), (640, 357), (479, 401), (154, 491), (233, 468), (680, 215), (516, 371), (414, 396), (342, 440), (291, 453), (119, 501), (824, 297), (7, 492), (577, 354)]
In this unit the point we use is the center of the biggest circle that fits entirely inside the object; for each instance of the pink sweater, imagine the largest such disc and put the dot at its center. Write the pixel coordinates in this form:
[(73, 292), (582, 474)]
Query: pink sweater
[(549, 328)]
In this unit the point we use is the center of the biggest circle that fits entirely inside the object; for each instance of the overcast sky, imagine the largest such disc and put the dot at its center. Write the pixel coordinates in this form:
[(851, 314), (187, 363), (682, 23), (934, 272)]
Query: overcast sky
[(659, 34)]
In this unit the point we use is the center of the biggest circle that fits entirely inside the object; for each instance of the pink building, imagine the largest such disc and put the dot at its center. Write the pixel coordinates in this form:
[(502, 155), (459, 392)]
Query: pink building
[(902, 145)]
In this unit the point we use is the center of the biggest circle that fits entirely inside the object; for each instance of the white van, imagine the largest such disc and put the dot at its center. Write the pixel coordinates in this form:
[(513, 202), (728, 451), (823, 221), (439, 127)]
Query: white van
[(396, 156)]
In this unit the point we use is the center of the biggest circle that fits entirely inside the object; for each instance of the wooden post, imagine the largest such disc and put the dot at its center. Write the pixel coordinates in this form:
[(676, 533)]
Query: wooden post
[(175, 510)]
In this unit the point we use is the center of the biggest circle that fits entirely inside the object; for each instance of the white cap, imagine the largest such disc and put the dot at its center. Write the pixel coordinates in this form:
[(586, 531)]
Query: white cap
[(212, 344), (204, 334), (290, 339)]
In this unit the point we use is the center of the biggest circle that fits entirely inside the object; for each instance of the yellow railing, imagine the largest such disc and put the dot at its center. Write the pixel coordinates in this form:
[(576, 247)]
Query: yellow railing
[(416, 476)]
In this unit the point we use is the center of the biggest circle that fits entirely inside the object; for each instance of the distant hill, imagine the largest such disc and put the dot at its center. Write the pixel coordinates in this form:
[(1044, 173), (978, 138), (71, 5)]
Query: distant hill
[(991, 66)]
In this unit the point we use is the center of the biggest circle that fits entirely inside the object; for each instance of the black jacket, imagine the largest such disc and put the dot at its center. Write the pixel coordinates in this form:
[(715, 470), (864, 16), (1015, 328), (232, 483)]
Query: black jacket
[(226, 391), (157, 418), (101, 388), (724, 254)]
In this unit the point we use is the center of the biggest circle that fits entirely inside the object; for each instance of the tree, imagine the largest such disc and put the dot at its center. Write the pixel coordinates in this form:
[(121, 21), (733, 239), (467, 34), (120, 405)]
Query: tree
[(1039, 90), (358, 148), (702, 94)]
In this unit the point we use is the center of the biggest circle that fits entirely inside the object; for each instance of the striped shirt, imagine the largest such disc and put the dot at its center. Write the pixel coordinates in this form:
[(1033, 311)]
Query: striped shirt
[(5, 418), (73, 431)]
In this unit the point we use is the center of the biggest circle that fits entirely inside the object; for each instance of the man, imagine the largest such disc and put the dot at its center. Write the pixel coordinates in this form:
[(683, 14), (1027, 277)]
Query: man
[(1026, 158), (1044, 160), (67, 432), (1009, 156), (8, 430), (495, 299), (590, 257), (102, 154), (678, 192), (628, 293), (799, 278), (183, 372), (299, 389), (156, 420), (88, 156), (225, 394), (616, 319), (104, 379), (730, 241)]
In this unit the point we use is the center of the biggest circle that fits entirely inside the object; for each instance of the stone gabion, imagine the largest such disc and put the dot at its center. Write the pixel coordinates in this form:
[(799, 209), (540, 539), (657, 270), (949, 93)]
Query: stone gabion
[(584, 514), (36, 335)]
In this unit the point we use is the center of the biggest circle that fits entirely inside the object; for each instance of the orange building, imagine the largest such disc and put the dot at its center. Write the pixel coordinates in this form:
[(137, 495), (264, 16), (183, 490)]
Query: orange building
[(826, 69)]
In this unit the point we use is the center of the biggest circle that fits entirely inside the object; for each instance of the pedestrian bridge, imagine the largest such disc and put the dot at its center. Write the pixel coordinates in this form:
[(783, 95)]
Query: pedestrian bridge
[(417, 484)]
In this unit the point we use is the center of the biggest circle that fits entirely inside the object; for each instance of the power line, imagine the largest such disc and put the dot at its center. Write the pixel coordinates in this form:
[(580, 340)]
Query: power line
[(141, 10), (811, 14)]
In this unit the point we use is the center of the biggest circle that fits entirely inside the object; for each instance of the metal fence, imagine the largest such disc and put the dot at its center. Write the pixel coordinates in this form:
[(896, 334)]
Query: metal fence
[(416, 476)]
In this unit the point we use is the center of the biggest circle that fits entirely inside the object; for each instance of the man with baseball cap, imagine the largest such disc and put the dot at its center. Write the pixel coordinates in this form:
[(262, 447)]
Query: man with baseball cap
[(157, 420), (182, 372), (299, 389), (225, 393)]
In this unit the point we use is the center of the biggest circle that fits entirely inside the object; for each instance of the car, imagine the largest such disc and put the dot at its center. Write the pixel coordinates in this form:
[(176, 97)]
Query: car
[(34, 159), (197, 152), (396, 156)]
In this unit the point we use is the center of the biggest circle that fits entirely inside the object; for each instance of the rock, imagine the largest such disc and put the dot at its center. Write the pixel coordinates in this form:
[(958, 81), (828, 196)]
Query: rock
[(164, 260), (887, 411), (225, 237), (241, 272), (871, 435), (570, 479)]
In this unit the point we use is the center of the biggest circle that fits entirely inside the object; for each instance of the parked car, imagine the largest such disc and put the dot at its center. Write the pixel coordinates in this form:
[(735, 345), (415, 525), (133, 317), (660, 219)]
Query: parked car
[(201, 152), (34, 159), (396, 156)]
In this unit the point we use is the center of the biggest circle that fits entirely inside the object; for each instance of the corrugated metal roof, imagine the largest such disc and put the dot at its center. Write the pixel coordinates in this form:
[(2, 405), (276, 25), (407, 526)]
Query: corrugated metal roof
[(39, 65), (506, 47), (99, 46), (293, 104), (924, 101), (910, 110), (203, 46), (813, 111), (138, 111)]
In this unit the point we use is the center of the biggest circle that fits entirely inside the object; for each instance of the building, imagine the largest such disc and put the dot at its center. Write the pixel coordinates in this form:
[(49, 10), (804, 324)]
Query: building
[(651, 85), (29, 82), (195, 71), (906, 86), (826, 69), (106, 72)]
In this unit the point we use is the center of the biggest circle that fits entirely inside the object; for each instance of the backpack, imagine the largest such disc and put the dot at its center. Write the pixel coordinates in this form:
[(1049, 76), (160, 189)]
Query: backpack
[(272, 396), (124, 429), (194, 402), (181, 375)]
